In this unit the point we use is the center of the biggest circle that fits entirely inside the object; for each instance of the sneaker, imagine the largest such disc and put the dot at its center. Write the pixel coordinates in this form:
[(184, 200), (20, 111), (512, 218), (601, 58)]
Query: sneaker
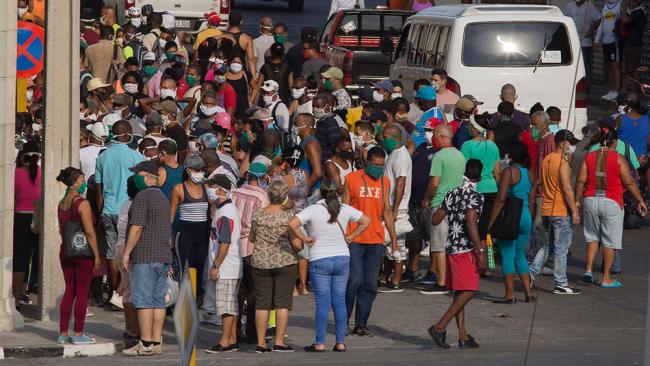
[(362, 332), (270, 333), (260, 349), (391, 287), (467, 343), (157, 349), (607, 96), (566, 290), (130, 341), (62, 339), (25, 300), (138, 350), (116, 300), (407, 276), (217, 348), (279, 348), (425, 252), (429, 279), (82, 339), (439, 337), (435, 290), (613, 96)]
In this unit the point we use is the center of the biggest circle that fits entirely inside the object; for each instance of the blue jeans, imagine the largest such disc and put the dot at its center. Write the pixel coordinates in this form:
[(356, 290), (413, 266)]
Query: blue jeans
[(149, 285), (560, 237), (329, 278), (365, 263)]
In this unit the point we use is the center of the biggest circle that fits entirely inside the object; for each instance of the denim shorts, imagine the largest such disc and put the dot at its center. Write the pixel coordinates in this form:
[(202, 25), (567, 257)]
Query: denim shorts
[(149, 285), (109, 223)]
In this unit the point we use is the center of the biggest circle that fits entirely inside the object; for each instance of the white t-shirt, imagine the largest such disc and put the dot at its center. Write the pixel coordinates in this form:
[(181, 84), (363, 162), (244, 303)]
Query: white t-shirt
[(330, 241), (260, 45), (584, 16), (281, 115), (609, 15), (226, 227), (399, 164), (304, 108), (88, 159)]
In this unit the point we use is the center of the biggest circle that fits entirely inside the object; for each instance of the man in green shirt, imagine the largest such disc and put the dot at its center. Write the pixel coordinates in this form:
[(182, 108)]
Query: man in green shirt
[(447, 169)]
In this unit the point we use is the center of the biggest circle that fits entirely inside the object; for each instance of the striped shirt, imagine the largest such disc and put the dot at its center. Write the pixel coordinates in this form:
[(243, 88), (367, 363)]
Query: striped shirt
[(249, 200), (193, 209)]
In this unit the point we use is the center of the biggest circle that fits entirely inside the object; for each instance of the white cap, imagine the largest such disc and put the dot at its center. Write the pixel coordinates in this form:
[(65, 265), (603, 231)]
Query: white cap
[(98, 129), (270, 85), (135, 11), (149, 56), (111, 118)]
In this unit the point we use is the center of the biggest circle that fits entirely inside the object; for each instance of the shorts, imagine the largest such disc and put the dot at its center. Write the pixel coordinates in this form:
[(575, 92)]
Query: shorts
[(612, 52), (125, 275), (632, 59), (227, 303), (462, 271), (400, 255), (439, 234), (274, 287), (603, 222), (420, 218), (109, 223), (149, 285)]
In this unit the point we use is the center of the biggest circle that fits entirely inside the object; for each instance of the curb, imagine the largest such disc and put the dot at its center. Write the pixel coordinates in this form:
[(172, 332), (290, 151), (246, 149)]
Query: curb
[(66, 351)]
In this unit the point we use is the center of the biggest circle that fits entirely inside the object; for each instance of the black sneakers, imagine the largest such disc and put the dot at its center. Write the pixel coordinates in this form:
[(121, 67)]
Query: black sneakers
[(391, 287), (260, 349), (362, 332), (566, 290), (278, 348), (439, 337), (467, 343), (217, 348), (434, 290)]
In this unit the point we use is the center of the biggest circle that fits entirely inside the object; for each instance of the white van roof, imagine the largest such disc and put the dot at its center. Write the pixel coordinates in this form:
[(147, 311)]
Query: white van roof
[(457, 11)]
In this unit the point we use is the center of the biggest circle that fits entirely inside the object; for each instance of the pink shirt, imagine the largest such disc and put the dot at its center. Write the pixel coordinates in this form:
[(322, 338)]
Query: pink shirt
[(25, 191), (154, 85), (248, 199)]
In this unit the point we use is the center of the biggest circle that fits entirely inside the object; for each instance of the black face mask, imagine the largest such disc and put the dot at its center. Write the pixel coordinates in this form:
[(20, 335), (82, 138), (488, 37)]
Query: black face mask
[(346, 155)]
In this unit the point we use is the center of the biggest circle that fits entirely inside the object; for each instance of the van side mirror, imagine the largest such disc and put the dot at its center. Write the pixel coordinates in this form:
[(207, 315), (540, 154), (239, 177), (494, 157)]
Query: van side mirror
[(386, 45)]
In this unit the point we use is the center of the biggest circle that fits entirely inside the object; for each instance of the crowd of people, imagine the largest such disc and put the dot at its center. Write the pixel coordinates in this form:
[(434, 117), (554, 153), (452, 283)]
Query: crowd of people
[(246, 158)]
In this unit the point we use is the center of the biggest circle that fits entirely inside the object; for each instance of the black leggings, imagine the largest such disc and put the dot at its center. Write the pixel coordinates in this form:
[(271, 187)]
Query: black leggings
[(192, 246), (25, 241)]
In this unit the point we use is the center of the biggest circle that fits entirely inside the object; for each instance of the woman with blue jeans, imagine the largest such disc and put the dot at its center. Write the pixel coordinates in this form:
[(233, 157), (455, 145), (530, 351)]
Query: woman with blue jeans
[(329, 258), (519, 182)]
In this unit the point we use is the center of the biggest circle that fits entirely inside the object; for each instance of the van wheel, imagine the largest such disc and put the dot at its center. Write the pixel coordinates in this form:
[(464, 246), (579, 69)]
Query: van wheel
[(296, 5)]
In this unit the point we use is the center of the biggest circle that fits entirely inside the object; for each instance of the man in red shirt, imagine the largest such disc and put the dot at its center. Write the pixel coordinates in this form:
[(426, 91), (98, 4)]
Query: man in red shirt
[(226, 95)]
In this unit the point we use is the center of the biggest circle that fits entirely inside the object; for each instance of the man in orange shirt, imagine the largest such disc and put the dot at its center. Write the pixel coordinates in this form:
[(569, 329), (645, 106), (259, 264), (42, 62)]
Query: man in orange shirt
[(368, 191)]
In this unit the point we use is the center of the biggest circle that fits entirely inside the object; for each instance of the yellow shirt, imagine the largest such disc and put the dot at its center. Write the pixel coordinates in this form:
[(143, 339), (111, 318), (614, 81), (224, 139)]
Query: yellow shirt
[(553, 203), (205, 34), (354, 115)]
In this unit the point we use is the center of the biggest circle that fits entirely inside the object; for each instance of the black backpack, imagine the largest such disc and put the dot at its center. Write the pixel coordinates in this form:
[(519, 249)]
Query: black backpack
[(139, 50)]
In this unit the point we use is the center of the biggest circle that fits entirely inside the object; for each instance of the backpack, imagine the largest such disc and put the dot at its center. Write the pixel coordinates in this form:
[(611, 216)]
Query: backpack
[(139, 50), (116, 70), (83, 80), (287, 140), (156, 49)]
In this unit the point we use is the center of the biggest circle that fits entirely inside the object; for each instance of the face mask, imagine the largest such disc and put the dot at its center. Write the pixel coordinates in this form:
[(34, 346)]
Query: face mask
[(209, 111), (122, 142), (268, 99), (212, 194), (30, 95), (167, 93), (118, 111), (377, 96), (131, 88), (162, 42), (169, 56), (82, 188), (137, 22), (22, 12), (375, 171), (554, 128), (220, 79), (395, 96), (149, 70), (102, 21), (319, 113), (236, 67), (140, 182), (402, 117), (572, 149), (436, 84), (378, 130), (328, 84), (194, 147), (297, 93), (535, 133), (389, 144), (428, 136), (147, 158), (196, 177), (83, 117), (280, 38), (36, 127), (346, 155), (215, 60), (190, 80), (165, 120)]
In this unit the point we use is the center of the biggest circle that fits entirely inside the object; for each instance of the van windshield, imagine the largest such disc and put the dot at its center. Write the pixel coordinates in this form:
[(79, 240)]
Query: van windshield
[(516, 44)]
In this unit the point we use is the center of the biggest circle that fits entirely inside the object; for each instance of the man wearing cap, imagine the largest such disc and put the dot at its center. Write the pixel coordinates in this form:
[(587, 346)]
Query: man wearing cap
[(111, 172), (213, 21), (148, 256), (135, 18), (559, 211), (97, 134), (262, 43), (294, 54), (383, 91), (332, 79), (100, 95), (415, 112), (460, 124), (446, 99), (249, 199), (426, 97), (172, 129), (272, 101), (154, 127)]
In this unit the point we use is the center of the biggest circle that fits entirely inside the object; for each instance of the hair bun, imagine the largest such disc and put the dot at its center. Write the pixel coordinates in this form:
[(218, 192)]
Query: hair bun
[(61, 176)]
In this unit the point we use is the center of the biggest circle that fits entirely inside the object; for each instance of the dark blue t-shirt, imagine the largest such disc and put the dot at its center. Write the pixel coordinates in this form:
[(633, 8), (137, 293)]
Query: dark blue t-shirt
[(421, 167)]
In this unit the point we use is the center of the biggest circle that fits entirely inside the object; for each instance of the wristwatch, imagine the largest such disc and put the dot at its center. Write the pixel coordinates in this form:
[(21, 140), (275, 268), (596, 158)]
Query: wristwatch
[(481, 250)]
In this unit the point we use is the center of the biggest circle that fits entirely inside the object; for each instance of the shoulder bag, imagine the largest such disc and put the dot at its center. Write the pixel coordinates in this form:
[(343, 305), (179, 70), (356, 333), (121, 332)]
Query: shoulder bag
[(75, 242), (506, 226)]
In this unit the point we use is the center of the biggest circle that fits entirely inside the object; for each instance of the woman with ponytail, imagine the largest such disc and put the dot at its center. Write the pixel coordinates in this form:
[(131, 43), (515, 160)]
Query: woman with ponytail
[(27, 193), (77, 272), (329, 258)]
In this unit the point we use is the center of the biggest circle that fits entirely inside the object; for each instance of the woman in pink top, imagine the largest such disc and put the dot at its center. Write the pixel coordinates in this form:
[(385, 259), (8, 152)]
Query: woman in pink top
[(27, 191)]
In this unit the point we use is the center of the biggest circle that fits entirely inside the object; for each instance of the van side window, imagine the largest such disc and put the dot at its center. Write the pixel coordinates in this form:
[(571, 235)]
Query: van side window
[(419, 46), (402, 46), (413, 43), (441, 51), (430, 50)]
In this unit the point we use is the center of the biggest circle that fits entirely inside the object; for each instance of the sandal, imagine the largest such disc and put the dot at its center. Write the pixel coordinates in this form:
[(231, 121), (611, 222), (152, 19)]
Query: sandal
[(344, 349), (312, 348), (588, 278), (614, 284)]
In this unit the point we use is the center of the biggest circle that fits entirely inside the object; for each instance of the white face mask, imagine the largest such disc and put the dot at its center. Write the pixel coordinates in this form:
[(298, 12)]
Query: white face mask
[(436, 84), (147, 158), (102, 21), (162, 42), (194, 147), (297, 93), (196, 177), (131, 88), (212, 194), (236, 67), (395, 96), (36, 127), (428, 136), (268, 99), (572, 149), (30, 95), (137, 22), (22, 12), (319, 113), (216, 60), (209, 111), (377, 96), (165, 120), (167, 93)]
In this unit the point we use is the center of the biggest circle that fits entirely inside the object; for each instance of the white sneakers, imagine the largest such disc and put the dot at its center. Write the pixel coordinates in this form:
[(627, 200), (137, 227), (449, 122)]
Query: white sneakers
[(116, 300), (611, 96)]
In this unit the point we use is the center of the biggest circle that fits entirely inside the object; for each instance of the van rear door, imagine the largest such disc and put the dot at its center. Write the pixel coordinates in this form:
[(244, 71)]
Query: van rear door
[(184, 9)]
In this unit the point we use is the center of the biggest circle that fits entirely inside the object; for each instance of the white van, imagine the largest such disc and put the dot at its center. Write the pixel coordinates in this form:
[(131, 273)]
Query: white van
[(188, 13), (483, 47)]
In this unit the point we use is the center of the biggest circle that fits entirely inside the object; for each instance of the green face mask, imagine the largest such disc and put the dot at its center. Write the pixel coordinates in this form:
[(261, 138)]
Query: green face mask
[(535, 133), (82, 188), (375, 171), (139, 181), (149, 70), (170, 55), (378, 130), (328, 84), (191, 80), (280, 38), (245, 137), (389, 144)]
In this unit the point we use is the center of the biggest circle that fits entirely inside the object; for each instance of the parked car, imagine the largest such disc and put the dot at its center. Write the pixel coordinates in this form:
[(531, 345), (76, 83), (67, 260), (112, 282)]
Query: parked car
[(360, 42), (482, 47)]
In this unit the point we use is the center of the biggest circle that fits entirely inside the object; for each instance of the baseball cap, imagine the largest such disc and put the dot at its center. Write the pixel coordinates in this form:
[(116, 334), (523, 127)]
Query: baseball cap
[(135, 11), (257, 169), (122, 99), (98, 129), (194, 162), (565, 135), (200, 127), (334, 73), (223, 120), (270, 85), (365, 94), (464, 104), (209, 140), (262, 114), (213, 18), (426, 92), (111, 118), (148, 166), (210, 156), (153, 119), (432, 123), (166, 106), (220, 180), (384, 84), (473, 99), (147, 8), (96, 83), (149, 56)]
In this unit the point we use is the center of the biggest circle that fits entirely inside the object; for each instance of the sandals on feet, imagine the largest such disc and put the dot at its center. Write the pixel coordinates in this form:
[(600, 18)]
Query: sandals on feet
[(613, 284)]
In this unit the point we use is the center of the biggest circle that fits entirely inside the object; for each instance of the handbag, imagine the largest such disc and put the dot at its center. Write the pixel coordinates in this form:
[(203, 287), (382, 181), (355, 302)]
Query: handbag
[(506, 225), (75, 242)]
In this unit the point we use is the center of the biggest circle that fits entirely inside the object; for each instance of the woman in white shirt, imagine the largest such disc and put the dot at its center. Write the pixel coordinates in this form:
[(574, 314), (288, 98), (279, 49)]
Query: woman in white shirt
[(329, 258)]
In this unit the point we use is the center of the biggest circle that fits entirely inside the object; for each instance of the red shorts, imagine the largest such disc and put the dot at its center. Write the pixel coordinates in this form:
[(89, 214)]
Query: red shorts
[(462, 271)]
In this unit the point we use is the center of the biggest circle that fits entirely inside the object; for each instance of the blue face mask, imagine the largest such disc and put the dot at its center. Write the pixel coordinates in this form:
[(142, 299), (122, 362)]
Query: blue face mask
[(554, 128)]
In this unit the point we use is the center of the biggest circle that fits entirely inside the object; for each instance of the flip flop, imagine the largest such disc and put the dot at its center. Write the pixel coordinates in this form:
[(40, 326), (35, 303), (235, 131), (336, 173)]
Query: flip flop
[(588, 277), (615, 284)]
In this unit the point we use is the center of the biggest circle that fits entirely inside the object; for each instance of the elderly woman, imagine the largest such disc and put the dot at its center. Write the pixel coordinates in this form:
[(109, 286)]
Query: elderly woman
[(274, 267), (604, 176)]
